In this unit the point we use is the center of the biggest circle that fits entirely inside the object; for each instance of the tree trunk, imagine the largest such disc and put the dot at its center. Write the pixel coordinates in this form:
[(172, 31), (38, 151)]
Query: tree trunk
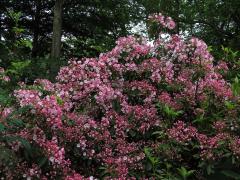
[(57, 30), (177, 28), (56, 39), (36, 29)]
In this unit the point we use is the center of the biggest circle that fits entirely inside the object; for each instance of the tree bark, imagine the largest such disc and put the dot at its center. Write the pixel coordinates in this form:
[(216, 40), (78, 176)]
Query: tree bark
[(177, 17), (36, 29), (57, 30), (56, 39)]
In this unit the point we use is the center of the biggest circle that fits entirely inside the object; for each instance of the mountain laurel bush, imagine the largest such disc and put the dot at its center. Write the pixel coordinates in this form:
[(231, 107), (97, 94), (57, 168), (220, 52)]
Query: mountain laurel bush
[(143, 110)]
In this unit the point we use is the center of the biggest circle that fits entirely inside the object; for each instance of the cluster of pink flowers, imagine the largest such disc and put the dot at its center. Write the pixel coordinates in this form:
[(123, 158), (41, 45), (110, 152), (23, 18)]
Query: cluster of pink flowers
[(3, 77), (55, 153), (50, 108), (164, 21), (235, 146), (184, 134), (45, 84), (27, 97), (5, 112), (75, 176), (166, 99), (219, 126), (208, 145)]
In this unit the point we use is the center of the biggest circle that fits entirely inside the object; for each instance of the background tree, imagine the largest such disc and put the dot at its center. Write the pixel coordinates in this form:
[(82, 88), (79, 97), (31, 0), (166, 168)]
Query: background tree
[(56, 36), (57, 29), (214, 21)]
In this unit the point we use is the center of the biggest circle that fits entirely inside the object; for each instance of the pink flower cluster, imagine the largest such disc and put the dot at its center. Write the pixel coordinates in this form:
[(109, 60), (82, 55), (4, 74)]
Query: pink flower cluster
[(182, 133), (166, 99), (46, 84), (164, 21), (3, 76), (48, 106), (55, 153), (5, 112), (27, 97), (208, 144)]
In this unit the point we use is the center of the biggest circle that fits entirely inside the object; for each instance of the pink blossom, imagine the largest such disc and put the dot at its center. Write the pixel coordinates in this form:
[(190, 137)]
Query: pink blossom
[(162, 20)]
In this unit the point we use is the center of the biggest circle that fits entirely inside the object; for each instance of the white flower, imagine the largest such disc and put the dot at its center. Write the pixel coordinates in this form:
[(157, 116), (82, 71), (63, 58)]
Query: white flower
[(51, 159)]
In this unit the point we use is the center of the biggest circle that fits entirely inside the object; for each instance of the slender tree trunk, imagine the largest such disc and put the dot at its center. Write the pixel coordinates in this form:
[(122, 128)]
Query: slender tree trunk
[(57, 30), (177, 16), (36, 29), (56, 39), (1, 26)]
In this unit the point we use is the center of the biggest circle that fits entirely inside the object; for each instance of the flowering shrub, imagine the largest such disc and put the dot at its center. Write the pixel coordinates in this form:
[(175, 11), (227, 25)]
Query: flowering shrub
[(137, 111), (3, 76)]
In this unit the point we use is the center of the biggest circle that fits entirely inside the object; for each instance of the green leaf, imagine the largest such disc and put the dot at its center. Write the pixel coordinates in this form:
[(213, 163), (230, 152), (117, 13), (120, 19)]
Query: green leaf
[(210, 169), (231, 174), (185, 173), (24, 142), (7, 157), (42, 161), (148, 166), (16, 122), (59, 100), (2, 127), (229, 105), (147, 152), (116, 106), (132, 133), (159, 134)]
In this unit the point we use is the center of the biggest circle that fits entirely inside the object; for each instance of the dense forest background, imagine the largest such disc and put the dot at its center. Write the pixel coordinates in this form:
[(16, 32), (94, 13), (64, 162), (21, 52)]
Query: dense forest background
[(30, 31)]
